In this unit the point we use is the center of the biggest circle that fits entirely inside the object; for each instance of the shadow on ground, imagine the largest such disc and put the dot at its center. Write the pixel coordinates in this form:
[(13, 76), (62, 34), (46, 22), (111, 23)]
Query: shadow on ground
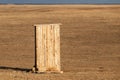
[(16, 69)]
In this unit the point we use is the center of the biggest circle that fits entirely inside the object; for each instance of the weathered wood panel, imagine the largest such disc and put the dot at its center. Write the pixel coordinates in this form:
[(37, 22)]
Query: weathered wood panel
[(47, 48)]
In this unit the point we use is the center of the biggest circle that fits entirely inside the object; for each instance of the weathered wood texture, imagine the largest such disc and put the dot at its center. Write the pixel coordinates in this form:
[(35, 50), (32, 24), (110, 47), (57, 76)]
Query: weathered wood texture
[(47, 48)]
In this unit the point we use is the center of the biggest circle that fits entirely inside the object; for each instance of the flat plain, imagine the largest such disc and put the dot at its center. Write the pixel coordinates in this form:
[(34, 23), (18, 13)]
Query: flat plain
[(90, 41)]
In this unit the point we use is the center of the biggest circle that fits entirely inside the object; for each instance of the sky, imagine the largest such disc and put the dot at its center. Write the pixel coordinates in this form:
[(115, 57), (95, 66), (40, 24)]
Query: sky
[(60, 1)]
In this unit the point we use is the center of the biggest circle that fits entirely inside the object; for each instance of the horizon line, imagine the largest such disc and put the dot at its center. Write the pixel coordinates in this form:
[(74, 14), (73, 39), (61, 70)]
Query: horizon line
[(58, 3)]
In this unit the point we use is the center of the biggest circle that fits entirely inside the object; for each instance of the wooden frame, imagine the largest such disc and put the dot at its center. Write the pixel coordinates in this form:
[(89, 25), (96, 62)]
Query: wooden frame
[(47, 48)]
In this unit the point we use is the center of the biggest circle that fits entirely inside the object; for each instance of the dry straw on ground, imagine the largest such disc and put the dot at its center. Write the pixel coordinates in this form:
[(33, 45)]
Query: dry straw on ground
[(90, 41)]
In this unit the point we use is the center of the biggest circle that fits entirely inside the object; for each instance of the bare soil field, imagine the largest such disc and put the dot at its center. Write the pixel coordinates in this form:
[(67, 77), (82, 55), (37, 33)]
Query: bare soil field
[(90, 41)]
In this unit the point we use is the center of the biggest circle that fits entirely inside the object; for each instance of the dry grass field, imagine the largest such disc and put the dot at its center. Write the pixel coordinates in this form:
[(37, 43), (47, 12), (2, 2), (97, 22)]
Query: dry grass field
[(90, 41)]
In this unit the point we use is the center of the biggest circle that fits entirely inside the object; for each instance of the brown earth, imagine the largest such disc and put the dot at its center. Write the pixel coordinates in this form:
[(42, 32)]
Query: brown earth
[(90, 41)]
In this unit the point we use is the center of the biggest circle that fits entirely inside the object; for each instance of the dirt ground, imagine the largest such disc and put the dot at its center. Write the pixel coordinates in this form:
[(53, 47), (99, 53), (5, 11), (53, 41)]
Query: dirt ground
[(90, 41)]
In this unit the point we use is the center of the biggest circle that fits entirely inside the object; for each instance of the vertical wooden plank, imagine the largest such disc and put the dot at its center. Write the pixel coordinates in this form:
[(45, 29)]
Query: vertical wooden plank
[(43, 47), (57, 47), (52, 49), (53, 54), (40, 35), (39, 47), (48, 47)]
